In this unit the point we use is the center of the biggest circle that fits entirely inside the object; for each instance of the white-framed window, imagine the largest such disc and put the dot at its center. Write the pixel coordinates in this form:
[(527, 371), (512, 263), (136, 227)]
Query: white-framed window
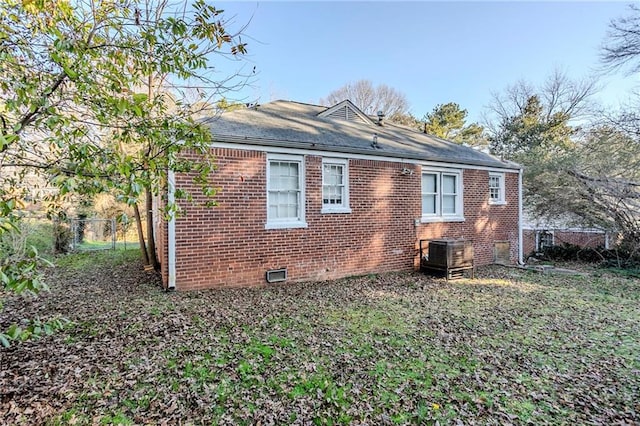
[(441, 195), (285, 191), (496, 188), (544, 239), (335, 186)]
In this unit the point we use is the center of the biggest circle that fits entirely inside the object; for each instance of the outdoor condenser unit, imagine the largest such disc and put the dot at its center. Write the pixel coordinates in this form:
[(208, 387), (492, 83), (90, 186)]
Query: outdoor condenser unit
[(452, 257)]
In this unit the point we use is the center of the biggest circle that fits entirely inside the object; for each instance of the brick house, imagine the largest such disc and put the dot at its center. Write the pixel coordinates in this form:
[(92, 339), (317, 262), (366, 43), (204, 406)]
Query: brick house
[(313, 193), (537, 234)]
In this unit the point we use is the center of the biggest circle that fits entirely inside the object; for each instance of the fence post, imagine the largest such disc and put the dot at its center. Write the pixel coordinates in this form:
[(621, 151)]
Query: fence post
[(114, 232)]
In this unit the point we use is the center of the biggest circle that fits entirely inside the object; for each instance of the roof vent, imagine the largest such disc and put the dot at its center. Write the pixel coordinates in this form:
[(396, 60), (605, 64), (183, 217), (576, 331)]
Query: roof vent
[(346, 111)]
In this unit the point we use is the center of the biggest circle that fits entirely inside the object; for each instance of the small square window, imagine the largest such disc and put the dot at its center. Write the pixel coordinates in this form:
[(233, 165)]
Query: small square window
[(335, 186), (496, 188), (544, 239)]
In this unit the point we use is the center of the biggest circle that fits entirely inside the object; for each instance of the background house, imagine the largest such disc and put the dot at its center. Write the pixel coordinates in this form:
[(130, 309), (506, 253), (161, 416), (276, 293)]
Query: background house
[(323, 193), (540, 233)]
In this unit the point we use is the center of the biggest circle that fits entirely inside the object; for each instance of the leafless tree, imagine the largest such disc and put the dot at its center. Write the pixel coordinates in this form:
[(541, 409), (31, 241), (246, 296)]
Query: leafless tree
[(608, 173), (558, 94), (622, 47), (370, 99)]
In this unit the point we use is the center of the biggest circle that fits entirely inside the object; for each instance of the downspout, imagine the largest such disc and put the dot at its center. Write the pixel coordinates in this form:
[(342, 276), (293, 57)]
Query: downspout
[(171, 199), (520, 233)]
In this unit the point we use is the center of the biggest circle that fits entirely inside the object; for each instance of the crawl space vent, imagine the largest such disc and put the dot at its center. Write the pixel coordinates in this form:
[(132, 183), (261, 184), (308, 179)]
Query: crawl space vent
[(276, 275)]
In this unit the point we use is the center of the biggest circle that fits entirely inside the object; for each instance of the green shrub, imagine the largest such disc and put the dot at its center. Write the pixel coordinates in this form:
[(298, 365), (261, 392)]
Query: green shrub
[(30, 232)]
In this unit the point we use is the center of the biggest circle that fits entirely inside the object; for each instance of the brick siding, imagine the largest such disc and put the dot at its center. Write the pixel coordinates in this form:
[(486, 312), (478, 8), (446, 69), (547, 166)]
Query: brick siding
[(560, 237), (228, 245)]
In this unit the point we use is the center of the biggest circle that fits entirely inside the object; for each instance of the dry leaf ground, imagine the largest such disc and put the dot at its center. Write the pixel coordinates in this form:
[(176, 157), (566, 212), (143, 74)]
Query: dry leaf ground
[(509, 347)]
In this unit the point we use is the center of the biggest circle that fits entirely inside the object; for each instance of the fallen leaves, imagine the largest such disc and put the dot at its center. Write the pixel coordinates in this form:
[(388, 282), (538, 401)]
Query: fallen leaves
[(507, 348)]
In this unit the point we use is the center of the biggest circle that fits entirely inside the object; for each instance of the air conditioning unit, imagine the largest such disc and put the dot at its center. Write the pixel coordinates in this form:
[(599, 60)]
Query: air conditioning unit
[(452, 257)]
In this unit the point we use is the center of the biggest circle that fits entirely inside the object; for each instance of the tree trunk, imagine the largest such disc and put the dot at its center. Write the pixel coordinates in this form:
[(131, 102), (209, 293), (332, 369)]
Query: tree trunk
[(151, 241), (143, 247), (153, 258)]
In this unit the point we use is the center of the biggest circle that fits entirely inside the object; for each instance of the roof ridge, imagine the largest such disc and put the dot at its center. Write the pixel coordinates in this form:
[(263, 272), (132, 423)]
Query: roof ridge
[(296, 102)]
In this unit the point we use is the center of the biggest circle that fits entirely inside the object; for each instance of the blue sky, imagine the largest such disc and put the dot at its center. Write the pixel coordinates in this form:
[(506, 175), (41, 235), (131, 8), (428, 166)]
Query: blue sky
[(433, 52)]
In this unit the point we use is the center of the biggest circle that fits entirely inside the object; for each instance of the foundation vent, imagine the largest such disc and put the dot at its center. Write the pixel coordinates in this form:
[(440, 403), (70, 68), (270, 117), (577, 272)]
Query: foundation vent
[(276, 275)]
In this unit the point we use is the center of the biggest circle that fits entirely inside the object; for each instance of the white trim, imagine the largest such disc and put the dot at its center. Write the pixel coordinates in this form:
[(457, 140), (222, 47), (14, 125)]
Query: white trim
[(501, 189), (439, 219), (288, 223), (520, 234), (350, 156), (439, 216), (171, 230), (285, 225), (345, 206), (555, 229)]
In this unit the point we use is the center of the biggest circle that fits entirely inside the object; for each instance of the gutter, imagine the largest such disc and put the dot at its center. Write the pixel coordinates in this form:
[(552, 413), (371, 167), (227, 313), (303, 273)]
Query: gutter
[(520, 224), (349, 150), (171, 231)]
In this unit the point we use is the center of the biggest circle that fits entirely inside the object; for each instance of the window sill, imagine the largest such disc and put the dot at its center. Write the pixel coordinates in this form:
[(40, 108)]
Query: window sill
[(336, 210), (436, 219), (497, 203), (285, 225)]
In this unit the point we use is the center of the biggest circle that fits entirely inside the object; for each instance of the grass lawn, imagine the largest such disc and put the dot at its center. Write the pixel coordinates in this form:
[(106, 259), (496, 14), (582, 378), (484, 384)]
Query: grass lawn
[(509, 347)]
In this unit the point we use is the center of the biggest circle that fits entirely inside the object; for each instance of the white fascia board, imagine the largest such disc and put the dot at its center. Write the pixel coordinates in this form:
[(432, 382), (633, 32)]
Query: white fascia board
[(320, 153)]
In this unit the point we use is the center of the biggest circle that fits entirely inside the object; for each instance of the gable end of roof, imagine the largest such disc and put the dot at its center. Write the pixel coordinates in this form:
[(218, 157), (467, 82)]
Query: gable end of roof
[(346, 111)]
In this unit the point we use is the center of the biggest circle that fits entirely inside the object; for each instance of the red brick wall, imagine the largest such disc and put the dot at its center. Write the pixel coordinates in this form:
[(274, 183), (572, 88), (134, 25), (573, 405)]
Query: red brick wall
[(484, 223), (528, 241), (228, 245), (583, 239)]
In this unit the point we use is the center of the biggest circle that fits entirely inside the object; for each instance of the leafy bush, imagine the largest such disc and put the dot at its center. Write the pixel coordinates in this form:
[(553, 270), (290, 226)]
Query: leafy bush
[(62, 235), (30, 232)]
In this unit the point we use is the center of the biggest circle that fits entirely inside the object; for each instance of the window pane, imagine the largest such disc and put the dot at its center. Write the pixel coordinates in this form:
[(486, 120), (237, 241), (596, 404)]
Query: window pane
[(290, 183), (274, 170), (428, 204), (429, 183), (448, 184), (274, 175), (339, 175), (448, 204)]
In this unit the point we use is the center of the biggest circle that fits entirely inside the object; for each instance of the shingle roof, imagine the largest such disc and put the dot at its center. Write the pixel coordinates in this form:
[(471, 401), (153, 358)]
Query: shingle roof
[(297, 125)]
